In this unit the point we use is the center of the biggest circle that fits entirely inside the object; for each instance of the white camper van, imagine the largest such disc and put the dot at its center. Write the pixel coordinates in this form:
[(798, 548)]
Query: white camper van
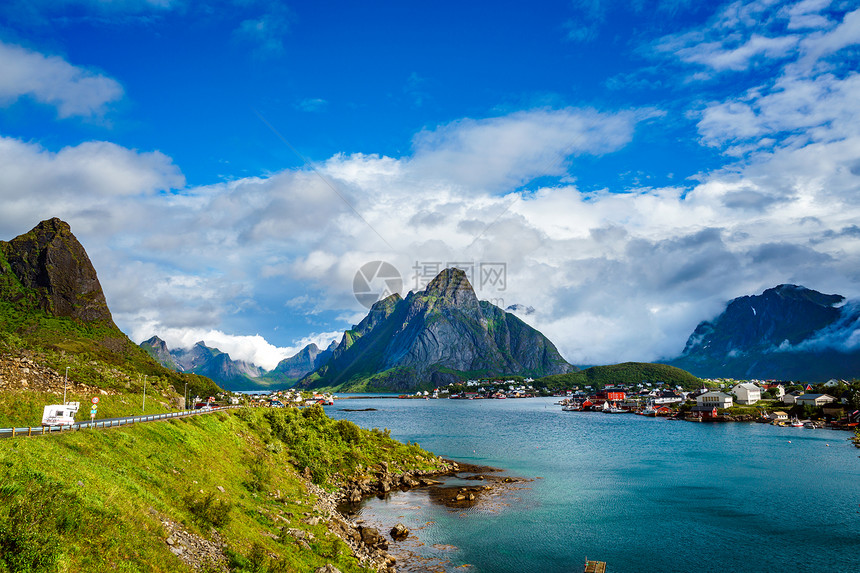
[(60, 414)]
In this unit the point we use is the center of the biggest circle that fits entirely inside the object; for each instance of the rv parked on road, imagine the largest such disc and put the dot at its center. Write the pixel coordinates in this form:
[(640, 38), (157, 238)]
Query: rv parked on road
[(60, 414)]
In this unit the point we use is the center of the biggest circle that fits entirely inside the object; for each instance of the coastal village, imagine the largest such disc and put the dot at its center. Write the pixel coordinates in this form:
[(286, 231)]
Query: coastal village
[(834, 404)]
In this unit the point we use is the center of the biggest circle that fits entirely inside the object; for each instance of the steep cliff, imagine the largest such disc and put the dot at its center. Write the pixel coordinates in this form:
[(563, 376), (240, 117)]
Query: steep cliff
[(51, 265)]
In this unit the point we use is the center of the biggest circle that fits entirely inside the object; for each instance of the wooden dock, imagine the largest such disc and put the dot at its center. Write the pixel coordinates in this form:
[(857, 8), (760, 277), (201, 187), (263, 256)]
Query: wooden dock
[(595, 566)]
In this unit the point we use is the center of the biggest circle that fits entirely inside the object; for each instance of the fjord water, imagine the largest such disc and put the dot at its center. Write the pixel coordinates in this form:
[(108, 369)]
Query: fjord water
[(642, 494)]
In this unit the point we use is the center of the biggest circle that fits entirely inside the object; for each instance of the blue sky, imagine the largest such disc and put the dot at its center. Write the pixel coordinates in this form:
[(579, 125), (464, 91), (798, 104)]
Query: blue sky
[(229, 166)]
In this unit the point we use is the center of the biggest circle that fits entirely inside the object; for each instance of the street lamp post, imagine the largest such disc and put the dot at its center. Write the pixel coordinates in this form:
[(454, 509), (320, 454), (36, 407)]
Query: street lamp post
[(65, 383), (144, 394)]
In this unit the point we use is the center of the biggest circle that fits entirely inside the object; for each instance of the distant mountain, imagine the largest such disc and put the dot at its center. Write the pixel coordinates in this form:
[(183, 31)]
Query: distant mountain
[(205, 361), (304, 361), (237, 374), (433, 337), (788, 332)]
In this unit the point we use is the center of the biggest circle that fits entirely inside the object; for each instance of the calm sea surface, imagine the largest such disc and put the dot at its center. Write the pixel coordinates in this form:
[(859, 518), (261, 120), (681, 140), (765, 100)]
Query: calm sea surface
[(642, 494)]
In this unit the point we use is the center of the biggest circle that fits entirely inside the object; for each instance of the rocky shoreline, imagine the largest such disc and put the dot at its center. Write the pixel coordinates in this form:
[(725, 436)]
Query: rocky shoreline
[(369, 544)]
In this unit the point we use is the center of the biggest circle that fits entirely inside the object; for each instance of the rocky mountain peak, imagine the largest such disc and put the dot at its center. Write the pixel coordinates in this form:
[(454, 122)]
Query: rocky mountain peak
[(156, 343), (801, 293), (50, 261), (452, 285)]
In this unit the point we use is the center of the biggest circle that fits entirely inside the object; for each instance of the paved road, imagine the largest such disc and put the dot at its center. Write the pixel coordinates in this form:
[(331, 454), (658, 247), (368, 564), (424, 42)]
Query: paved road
[(105, 423)]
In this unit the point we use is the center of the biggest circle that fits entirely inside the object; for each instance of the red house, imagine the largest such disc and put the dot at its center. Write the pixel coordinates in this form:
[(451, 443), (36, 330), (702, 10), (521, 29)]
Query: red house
[(614, 395)]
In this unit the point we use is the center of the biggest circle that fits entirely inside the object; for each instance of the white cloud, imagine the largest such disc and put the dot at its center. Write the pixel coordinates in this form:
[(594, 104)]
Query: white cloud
[(817, 108), (807, 14), (312, 104), (74, 91), (254, 349), (727, 55), (82, 181), (821, 44), (504, 152)]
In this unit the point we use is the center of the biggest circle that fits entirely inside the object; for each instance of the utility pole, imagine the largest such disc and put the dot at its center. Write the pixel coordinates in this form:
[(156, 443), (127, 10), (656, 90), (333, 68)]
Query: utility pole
[(144, 394), (65, 383)]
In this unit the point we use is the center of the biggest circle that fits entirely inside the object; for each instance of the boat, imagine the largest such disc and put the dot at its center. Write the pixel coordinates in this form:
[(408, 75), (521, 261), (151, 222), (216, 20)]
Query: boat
[(795, 423)]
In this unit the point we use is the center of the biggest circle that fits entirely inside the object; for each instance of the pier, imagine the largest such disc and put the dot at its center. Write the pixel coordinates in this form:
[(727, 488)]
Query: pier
[(595, 566)]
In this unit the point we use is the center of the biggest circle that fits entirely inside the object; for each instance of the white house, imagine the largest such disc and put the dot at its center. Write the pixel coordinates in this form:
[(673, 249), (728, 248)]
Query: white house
[(778, 416), (747, 393), (791, 397), (815, 399), (718, 399)]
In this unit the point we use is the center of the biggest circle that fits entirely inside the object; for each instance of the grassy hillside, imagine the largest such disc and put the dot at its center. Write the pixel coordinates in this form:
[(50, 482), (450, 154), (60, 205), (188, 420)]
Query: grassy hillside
[(108, 500), (627, 373)]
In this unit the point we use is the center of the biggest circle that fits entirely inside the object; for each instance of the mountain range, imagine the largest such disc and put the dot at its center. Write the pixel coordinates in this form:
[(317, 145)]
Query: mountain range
[(236, 374), (788, 332)]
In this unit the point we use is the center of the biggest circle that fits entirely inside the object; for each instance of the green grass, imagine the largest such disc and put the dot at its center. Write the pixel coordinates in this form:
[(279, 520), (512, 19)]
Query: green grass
[(94, 500)]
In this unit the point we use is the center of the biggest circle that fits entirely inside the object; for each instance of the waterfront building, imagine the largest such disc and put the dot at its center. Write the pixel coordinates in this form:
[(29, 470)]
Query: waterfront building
[(715, 399), (814, 399)]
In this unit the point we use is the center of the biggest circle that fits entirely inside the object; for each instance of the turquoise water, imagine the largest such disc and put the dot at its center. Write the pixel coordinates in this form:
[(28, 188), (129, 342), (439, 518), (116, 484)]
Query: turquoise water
[(642, 494)]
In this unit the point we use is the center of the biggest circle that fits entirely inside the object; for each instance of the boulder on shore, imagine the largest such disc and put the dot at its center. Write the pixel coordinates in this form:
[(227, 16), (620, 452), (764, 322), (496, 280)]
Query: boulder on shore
[(399, 532)]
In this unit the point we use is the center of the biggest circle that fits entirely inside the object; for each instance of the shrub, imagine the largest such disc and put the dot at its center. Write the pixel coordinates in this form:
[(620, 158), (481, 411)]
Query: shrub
[(260, 474), (209, 511), (350, 432)]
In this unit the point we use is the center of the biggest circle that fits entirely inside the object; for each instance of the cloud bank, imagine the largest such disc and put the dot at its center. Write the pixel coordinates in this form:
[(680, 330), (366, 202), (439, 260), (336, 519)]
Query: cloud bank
[(612, 274)]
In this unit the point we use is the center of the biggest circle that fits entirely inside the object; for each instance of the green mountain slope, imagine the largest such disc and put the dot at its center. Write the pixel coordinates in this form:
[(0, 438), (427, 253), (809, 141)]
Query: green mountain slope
[(627, 373)]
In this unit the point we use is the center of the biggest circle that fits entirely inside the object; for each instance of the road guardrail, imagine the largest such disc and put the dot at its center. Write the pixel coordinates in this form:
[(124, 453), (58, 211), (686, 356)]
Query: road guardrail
[(107, 423)]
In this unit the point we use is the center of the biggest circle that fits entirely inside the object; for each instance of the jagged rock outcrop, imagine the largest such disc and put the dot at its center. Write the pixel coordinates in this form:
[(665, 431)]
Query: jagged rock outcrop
[(158, 349), (434, 336), (788, 332), (50, 263)]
